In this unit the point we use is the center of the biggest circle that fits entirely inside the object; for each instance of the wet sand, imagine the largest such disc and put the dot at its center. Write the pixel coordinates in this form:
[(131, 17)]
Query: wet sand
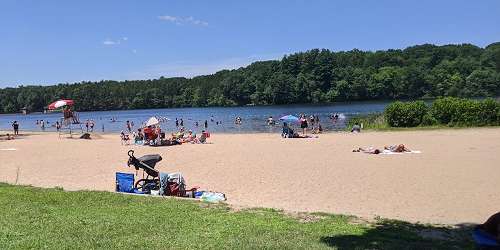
[(456, 178)]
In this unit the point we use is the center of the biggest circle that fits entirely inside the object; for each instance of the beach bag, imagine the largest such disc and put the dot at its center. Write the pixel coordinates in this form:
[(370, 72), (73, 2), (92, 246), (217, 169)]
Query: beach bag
[(176, 184), (174, 189), (124, 182)]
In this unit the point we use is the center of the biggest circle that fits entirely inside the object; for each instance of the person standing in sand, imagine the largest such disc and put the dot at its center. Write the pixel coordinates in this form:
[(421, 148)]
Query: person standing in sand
[(128, 127), (311, 121), (87, 125), (15, 126), (303, 124)]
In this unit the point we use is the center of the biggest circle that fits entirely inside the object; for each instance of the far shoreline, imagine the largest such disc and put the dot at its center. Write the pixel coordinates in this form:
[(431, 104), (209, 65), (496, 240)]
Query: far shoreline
[(365, 131)]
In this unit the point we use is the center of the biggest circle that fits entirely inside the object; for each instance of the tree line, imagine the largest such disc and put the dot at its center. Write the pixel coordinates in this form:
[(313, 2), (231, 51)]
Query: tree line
[(315, 76)]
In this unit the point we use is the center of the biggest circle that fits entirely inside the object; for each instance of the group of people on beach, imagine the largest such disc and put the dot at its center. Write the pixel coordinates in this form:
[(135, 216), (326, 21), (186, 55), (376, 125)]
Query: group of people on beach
[(153, 135), (314, 122)]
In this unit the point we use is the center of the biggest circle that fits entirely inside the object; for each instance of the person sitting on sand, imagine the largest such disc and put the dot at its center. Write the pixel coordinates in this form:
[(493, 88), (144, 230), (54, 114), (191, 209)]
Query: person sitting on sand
[(318, 130), (356, 128), (125, 139), (297, 135), (189, 137), (397, 148), (9, 137), (180, 134), (286, 130), (492, 227), (202, 139), (138, 137)]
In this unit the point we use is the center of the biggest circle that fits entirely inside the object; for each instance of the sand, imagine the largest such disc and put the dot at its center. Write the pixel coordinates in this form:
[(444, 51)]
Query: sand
[(456, 178)]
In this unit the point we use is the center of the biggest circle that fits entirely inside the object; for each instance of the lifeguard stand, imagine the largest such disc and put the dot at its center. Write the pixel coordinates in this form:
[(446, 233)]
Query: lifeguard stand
[(69, 123)]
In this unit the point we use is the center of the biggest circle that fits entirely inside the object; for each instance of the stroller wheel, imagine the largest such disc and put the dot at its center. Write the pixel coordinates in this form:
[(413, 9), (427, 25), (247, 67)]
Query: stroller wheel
[(146, 185)]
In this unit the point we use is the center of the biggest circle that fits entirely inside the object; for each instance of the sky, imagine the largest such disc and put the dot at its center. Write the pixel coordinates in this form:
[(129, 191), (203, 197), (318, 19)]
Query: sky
[(47, 42)]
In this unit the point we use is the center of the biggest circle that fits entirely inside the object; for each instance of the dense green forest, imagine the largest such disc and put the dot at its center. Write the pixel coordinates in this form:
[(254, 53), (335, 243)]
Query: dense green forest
[(315, 76)]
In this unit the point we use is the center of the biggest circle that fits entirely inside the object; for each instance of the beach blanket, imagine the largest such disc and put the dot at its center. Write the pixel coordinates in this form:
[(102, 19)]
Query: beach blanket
[(388, 152), (8, 149)]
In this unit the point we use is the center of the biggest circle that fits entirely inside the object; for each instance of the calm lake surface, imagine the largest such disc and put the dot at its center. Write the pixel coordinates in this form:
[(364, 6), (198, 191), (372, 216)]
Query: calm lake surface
[(253, 117)]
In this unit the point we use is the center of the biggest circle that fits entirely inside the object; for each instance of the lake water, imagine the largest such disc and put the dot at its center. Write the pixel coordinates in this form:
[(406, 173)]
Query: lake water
[(253, 117)]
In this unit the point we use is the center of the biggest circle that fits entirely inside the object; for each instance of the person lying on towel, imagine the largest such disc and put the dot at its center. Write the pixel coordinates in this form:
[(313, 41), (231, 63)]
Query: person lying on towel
[(401, 148)]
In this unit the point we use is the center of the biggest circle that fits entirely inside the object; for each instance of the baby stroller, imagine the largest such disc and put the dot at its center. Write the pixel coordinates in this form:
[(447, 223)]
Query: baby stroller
[(147, 164)]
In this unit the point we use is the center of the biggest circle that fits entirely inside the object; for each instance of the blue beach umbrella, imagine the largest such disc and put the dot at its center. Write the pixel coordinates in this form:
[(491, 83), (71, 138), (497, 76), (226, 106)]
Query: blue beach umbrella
[(290, 119)]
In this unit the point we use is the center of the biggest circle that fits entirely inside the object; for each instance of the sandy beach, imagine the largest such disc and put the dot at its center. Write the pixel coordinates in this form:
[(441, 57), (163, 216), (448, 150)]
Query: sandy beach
[(455, 178)]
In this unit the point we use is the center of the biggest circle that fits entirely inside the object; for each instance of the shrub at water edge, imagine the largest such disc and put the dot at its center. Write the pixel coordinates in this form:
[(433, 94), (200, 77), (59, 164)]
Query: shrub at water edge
[(465, 112), (405, 114)]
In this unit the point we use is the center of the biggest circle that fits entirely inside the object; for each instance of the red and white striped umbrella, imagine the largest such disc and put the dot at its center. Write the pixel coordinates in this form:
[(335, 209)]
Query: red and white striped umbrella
[(60, 103)]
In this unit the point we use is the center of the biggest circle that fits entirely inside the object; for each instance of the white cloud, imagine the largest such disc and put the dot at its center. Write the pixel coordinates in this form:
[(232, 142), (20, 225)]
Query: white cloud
[(183, 20), (110, 42), (168, 18)]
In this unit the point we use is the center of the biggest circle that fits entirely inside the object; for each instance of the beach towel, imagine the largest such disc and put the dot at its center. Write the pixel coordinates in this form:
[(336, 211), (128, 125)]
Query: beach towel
[(8, 149), (388, 152), (213, 197)]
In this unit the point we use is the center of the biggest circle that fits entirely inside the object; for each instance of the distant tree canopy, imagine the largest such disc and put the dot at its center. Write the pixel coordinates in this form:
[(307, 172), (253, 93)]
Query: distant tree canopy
[(315, 76)]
